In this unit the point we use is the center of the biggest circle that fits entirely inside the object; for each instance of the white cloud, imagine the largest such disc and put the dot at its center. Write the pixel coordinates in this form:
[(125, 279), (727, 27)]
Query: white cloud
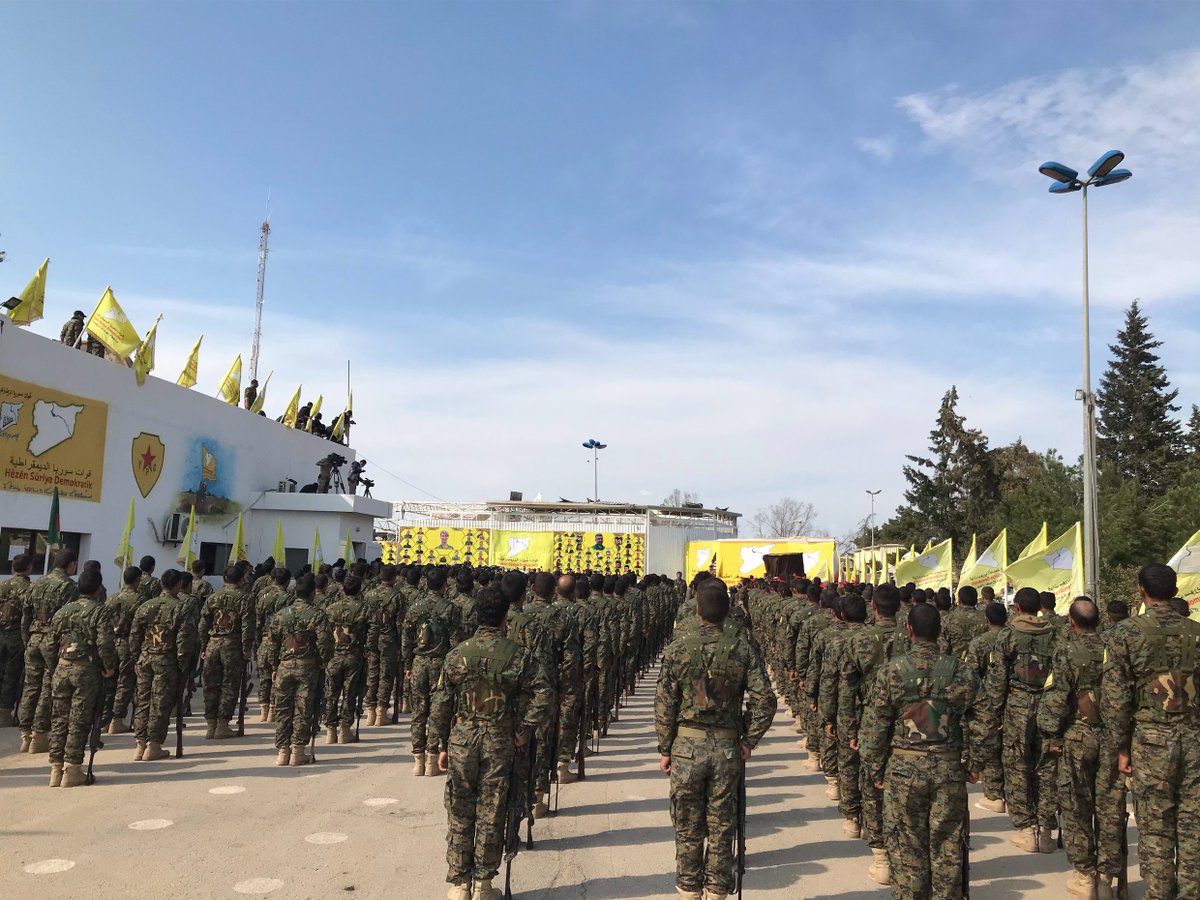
[(882, 148)]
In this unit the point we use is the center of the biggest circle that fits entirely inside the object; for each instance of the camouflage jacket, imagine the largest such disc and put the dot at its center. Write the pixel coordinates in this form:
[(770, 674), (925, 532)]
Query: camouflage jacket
[(387, 605), (812, 626), (162, 627), (559, 630), (123, 606), (918, 703), (299, 632), (13, 594), (227, 614), (979, 652), (46, 596), (586, 626), (82, 632), (429, 625), (489, 683), (1072, 695), (867, 650), (1018, 666), (960, 626), (829, 697), (816, 656), (705, 680), (201, 590), (348, 620), (148, 587)]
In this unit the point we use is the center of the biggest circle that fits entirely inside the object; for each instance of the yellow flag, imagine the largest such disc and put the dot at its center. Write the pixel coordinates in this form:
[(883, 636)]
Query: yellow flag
[(293, 409), (883, 568), (1186, 564), (187, 552), (928, 546), (187, 378), (33, 299), (111, 327), (313, 414), (1057, 568), (348, 550), (231, 385), (124, 557), (932, 570), (317, 557), (987, 570), (143, 360), (912, 552), (279, 552), (238, 552), (1037, 545), (257, 405)]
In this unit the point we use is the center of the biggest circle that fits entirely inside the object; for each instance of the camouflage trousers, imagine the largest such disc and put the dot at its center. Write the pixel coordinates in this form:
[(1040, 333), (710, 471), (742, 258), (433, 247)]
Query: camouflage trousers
[(604, 689), (75, 696), (381, 675), (924, 809), (849, 775), (155, 696), (124, 683), (570, 702), (265, 676), (295, 701), (223, 663), (10, 668), (341, 686), (704, 781), (1029, 772), (814, 730), (1087, 773), (1166, 787), (426, 672), (871, 800), (481, 762), (36, 697)]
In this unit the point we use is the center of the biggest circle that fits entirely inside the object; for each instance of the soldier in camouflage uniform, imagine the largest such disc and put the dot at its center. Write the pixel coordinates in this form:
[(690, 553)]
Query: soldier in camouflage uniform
[(227, 642), (829, 703), (81, 636), (72, 329), (344, 674), (825, 741), (912, 741), (1150, 702), (122, 607), (149, 586), (571, 686), (1069, 718), (270, 600), (806, 640), (1018, 667), (704, 741), (491, 698), (462, 594), (299, 643), (428, 627), (979, 653), (962, 624), (555, 632), (387, 606), (201, 589), (13, 594), (45, 598), (161, 641)]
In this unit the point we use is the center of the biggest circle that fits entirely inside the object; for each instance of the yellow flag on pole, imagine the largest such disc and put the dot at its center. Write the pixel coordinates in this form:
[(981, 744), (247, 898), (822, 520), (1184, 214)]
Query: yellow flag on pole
[(279, 552), (932, 570), (1056, 568), (124, 557), (293, 409), (33, 299), (191, 368), (1186, 564), (111, 327), (231, 385), (187, 554), (348, 550), (1036, 545), (928, 546), (987, 570), (143, 360), (313, 413), (257, 405), (317, 558), (238, 552)]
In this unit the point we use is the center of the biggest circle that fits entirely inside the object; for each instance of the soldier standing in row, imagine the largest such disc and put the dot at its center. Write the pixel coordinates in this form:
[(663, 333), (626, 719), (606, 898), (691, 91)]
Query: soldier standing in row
[(149, 586), (45, 598), (161, 641), (299, 644), (227, 641), (704, 743), (13, 594), (343, 673), (427, 629), (122, 607), (979, 654), (386, 608), (491, 698), (81, 636), (962, 624)]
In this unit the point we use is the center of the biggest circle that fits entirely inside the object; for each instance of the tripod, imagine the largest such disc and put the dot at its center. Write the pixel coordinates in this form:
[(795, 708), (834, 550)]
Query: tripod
[(336, 484)]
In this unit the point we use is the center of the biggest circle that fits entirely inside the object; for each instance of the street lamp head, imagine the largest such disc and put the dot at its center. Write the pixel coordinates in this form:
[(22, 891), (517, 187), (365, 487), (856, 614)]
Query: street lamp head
[(1065, 187), (1116, 176), (1059, 172), (1106, 164)]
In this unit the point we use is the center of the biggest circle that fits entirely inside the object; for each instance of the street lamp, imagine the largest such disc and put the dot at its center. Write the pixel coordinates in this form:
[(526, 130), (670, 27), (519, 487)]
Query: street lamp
[(873, 494), (1103, 172), (595, 446)]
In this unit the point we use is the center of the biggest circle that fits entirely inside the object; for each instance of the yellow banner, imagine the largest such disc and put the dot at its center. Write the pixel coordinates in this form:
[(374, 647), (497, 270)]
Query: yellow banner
[(702, 556), (1186, 564), (599, 552), (987, 570), (441, 546), (48, 437), (738, 559), (1057, 568), (111, 327), (522, 549), (932, 570)]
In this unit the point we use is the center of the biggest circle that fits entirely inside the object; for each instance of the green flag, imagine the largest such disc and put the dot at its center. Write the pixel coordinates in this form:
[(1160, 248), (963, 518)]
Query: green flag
[(53, 531)]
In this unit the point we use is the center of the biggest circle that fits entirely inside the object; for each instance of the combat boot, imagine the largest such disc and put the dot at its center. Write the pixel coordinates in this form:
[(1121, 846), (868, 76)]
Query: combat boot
[(688, 895), (265, 714), (224, 731), (565, 775), (713, 895), (485, 891), (802, 743), (212, 730), (283, 757), (56, 773), (154, 750), (300, 755), (383, 716), (418, 763), (26, 740), (141, 751), (1104, 888), (811, 762), (851, 829), (1046, 843), (118, 726), (459, 892), (880, 870), (331, 734), (6, 717), (73, 775), (832, 792), (990, 805), (371, 715), (540, 810), (1082, 884), (431, 766), (40, 742), (346, 735), (1026, 839)]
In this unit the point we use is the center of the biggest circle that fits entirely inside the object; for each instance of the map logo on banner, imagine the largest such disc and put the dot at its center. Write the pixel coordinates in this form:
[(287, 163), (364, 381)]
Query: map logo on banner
[(522, 549)]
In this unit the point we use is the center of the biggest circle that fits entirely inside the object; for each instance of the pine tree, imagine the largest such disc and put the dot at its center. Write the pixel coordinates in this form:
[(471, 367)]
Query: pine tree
[(1138, 433), (1191, 439)]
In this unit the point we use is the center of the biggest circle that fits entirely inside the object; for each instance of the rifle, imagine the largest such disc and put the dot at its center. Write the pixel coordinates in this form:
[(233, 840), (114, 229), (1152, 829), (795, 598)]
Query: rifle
[(530, 789), (741, 826), (245, 689), (966, 855), (514, 813), (554, 759), (1123, 875), (94, 741), (315, 715), (581, 739), (179, 721), (360, 693)]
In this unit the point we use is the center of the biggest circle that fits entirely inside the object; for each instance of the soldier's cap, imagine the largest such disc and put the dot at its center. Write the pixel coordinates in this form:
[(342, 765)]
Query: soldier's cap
[(78, 314)]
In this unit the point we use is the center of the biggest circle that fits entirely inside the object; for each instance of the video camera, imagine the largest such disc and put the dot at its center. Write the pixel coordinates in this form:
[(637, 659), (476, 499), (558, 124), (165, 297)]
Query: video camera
[(366, 483), (335, 461)]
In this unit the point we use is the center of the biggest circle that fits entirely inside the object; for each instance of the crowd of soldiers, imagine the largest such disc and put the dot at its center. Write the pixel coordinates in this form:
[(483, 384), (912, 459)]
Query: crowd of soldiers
[(901, 697)]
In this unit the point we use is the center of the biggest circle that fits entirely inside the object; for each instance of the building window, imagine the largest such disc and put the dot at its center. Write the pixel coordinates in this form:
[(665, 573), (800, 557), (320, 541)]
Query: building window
[(215, 557), (15, 541)]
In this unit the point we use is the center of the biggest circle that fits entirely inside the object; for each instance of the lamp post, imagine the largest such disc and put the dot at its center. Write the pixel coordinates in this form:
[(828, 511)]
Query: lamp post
[(1067, 181), (595, 446), (873, 495)]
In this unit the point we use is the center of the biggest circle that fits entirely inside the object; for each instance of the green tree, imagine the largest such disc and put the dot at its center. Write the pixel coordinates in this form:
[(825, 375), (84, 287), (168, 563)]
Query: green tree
[(1034, 488), (1139, 437), (1191, 437)]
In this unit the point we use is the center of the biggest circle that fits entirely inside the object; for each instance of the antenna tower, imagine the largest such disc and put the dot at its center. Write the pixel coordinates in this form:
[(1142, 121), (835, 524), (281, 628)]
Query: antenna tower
[(258, 306)]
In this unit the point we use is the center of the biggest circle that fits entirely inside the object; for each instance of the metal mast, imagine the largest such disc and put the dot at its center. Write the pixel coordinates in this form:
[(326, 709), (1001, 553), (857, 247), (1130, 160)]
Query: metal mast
[(262, 277)]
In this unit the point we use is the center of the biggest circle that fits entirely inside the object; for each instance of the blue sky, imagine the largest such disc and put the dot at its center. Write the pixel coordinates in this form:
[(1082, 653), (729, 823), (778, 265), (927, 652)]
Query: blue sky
[(749, 245)]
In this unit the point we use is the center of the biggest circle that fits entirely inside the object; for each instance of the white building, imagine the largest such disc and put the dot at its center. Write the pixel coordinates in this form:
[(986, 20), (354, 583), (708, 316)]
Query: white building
[(83, 423)]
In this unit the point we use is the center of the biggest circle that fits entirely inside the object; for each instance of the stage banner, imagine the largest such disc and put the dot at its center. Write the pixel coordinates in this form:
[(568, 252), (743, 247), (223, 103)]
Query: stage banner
[(702, 556), (599, 552), (430, 545), (523, 549), (738, 559)]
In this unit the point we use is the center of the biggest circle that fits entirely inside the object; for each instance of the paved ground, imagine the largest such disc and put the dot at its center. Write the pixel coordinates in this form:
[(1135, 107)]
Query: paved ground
[(225, 821)]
